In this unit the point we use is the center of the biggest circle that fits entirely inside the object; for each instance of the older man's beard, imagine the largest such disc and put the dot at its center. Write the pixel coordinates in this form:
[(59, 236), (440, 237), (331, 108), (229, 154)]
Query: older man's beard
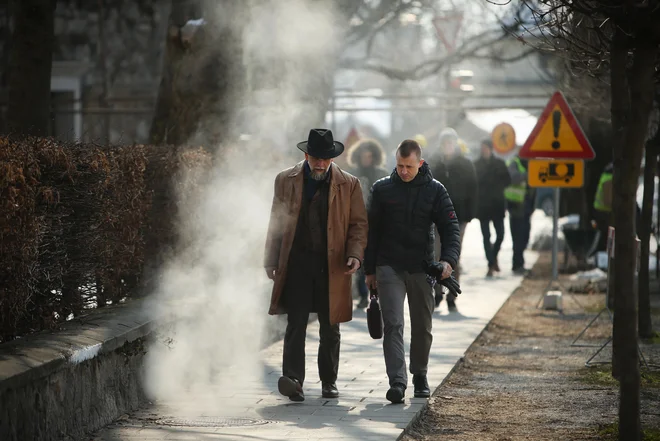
[(318, 175)]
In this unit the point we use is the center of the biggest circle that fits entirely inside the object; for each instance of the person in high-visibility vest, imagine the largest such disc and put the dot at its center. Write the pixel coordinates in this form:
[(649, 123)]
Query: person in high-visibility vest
[(603, 199), (602, 213), (520, 204), (603, 204)]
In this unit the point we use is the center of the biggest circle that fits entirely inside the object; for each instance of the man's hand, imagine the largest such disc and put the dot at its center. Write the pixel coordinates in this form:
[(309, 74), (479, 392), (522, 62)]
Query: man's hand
[(441, 272), (371, 281), (271, 272), (446, 270), (353, 264)]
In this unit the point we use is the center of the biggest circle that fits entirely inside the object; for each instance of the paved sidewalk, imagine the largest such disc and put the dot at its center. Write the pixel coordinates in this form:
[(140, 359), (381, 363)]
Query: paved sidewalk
[(361, 412)]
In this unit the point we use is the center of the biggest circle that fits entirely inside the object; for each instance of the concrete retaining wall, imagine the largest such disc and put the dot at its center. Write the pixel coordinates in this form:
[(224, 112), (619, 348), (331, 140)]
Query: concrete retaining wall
[(75, 399), (64, 385)]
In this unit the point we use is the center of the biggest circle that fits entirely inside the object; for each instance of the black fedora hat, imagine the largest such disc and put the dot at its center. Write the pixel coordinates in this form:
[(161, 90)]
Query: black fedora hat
[(320, 144)]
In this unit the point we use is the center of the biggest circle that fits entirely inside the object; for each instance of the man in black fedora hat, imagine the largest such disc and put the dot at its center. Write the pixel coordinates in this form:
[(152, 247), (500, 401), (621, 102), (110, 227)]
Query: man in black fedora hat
[(316, 240)]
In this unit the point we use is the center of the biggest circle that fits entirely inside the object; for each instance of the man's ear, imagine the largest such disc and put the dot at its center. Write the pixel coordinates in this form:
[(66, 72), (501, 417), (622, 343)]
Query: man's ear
[(421, 162), (306, 157)]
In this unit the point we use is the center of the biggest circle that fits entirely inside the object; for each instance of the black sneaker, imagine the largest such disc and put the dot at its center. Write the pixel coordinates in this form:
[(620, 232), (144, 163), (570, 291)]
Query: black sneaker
[(422, 389), (364, 302), (451, 305), (396, 393), (291, 387)]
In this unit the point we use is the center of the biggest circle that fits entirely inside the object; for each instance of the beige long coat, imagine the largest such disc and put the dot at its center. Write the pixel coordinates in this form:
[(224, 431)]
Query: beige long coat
[(347, 235)]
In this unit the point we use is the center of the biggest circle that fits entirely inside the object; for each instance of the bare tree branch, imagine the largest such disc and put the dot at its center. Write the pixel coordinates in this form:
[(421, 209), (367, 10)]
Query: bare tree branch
[(476, 47)]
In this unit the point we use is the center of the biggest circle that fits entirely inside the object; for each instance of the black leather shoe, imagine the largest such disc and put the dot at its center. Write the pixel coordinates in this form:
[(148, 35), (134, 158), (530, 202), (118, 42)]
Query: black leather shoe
[(291, 387), (329, 390), (396, 393), (451, 305), (422, 389)]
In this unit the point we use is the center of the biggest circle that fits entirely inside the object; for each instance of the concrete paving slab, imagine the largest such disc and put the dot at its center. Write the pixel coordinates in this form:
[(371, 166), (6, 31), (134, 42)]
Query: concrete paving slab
[(361, 412)]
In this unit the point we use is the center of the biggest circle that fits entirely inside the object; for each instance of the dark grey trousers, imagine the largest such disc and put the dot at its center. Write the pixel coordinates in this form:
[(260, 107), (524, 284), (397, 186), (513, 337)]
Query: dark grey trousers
[(392, 288), (294, 347)]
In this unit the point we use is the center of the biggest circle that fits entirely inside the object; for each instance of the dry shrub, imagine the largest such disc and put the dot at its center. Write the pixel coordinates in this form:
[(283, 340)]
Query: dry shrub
[(19, 232), (74, 222)]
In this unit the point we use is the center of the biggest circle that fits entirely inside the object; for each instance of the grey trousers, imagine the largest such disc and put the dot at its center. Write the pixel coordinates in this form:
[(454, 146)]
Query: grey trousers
[(392, 288)]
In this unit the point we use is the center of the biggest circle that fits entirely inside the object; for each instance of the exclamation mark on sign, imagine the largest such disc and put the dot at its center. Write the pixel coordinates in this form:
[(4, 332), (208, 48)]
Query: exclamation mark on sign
[(556, 120)]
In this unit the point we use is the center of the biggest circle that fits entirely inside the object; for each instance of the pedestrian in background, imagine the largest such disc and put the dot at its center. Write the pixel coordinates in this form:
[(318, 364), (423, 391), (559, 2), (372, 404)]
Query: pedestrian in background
[(602, 206), (457, 174), (493, 178), (366, 159), (520, 198), (402, 211), (315, 243)]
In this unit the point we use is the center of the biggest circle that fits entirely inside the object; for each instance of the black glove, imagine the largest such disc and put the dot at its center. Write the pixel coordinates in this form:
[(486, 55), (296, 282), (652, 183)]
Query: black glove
[(451, 284), (435, 270)]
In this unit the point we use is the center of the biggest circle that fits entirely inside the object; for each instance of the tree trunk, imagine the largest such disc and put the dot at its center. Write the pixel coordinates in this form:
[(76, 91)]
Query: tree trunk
[(657, 223), (30, 66), (201, 74), (620, 115), (631, 105), (164, 127), (645, 324)]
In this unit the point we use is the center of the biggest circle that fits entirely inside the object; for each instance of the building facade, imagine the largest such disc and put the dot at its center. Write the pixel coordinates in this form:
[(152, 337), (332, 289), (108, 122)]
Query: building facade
[(107, 61)]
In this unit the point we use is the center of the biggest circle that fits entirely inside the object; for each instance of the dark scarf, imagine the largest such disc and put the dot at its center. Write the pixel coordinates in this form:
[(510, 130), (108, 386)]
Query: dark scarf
[(311, 185)]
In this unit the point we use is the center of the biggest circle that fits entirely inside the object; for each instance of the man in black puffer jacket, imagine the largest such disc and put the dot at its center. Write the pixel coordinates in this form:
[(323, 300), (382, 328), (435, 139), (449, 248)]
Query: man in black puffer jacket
[(403, 209)]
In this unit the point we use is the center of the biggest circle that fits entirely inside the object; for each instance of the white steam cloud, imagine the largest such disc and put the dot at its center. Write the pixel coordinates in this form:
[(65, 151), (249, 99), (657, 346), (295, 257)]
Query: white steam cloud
[(214, 295)]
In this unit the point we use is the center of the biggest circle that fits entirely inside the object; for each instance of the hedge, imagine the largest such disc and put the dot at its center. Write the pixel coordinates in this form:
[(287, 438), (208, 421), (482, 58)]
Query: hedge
[(84, 225)]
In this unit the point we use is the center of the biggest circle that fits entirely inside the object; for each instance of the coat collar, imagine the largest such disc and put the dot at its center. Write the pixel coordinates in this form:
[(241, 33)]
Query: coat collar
[(336, 178)]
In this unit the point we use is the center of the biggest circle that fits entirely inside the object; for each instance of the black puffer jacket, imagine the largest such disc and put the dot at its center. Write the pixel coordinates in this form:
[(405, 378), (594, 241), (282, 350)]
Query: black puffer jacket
[(401, 218), (460, 178), (493, 177)]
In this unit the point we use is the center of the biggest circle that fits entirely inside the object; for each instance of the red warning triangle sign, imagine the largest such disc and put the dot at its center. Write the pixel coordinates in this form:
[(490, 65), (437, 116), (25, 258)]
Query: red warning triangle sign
[(447, 27), (557, 134)]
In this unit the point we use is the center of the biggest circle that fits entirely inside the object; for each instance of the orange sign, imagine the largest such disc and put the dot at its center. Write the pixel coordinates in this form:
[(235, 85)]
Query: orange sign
[(557, 134), (564, 173), (504, 138)]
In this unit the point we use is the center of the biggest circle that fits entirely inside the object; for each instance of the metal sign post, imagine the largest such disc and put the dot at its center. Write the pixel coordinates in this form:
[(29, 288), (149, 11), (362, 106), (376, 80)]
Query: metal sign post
[(554, 279), (555, 235)]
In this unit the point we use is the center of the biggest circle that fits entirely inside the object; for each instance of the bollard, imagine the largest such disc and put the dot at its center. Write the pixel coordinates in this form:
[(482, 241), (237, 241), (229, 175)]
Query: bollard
[(552, 300)]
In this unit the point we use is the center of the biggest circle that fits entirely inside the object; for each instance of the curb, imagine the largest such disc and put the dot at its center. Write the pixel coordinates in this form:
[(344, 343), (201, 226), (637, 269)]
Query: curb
[(418, 415)]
